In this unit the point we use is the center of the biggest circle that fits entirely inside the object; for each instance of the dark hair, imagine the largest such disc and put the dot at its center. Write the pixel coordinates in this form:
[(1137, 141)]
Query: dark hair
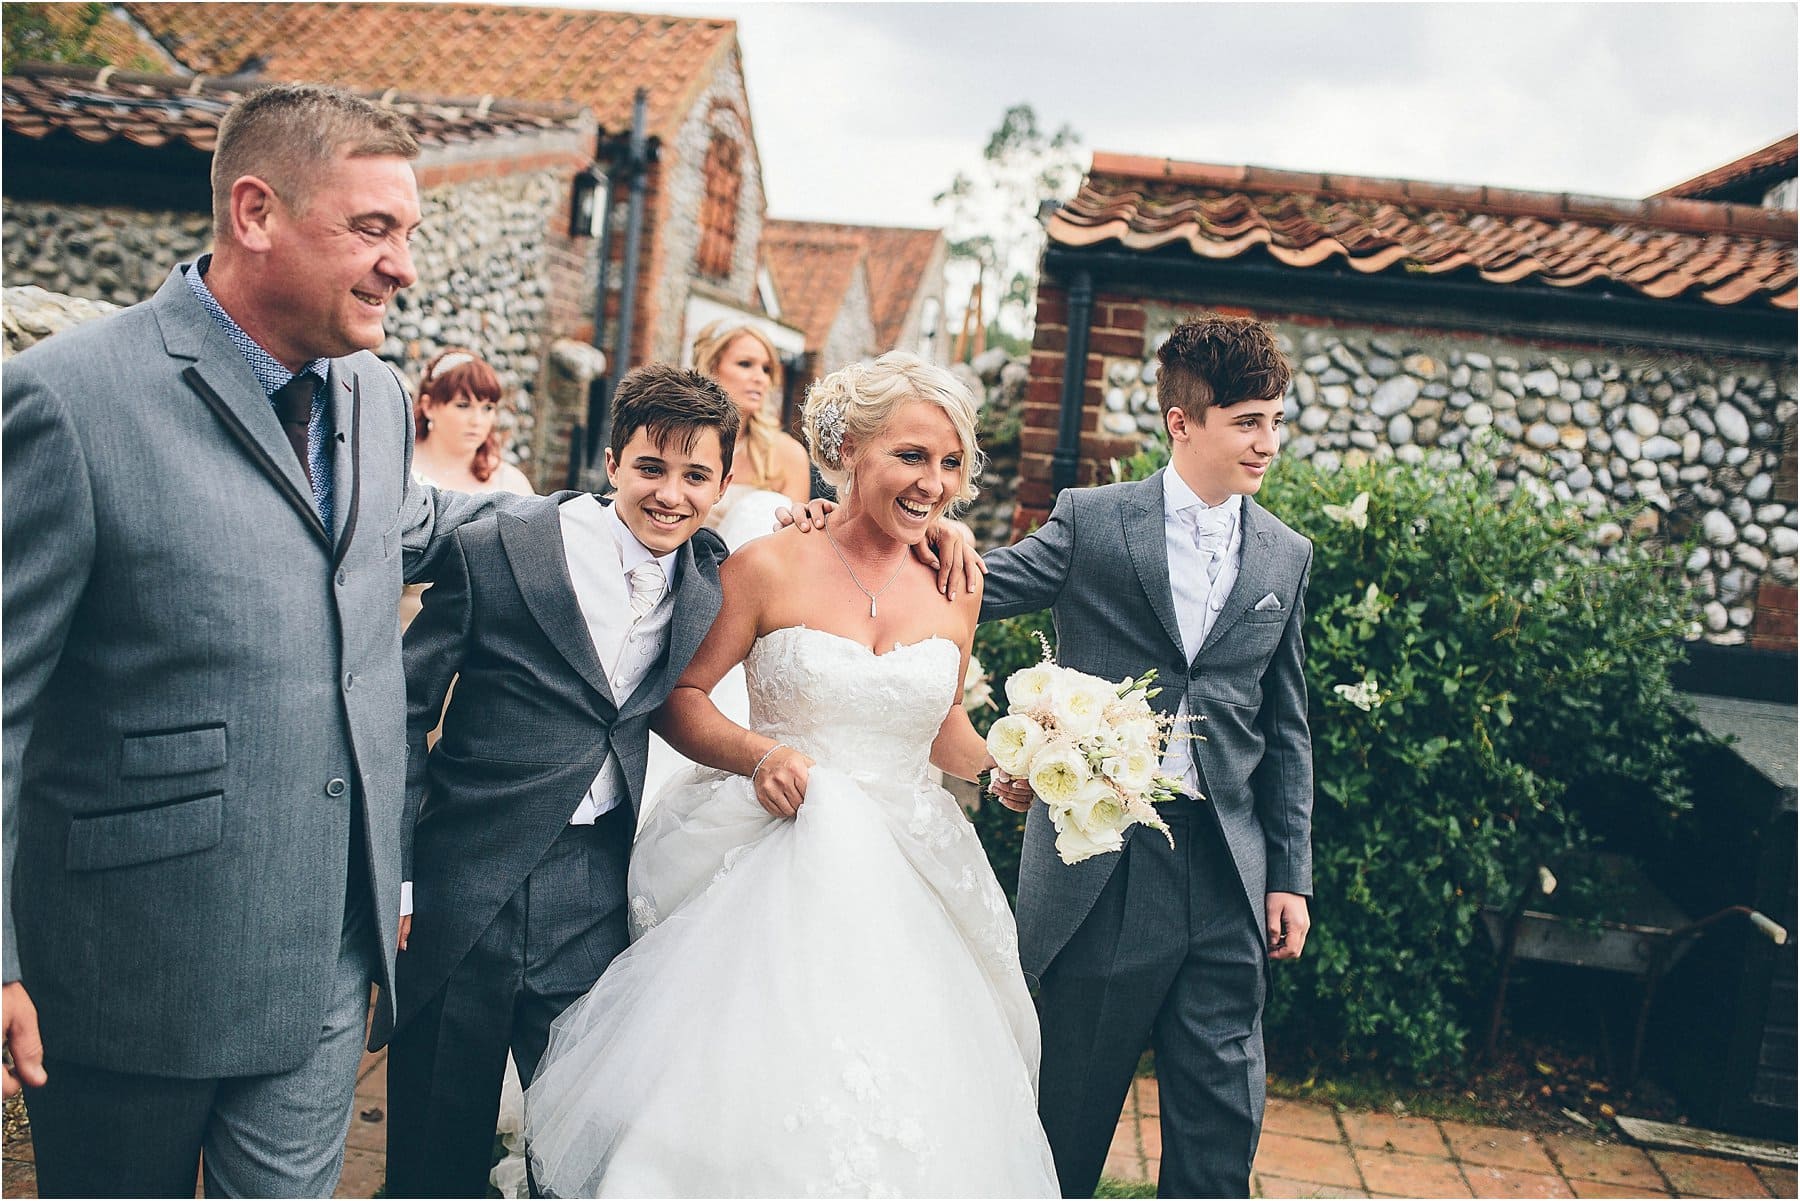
[(457, 370), (669, 403), (1218, 361)]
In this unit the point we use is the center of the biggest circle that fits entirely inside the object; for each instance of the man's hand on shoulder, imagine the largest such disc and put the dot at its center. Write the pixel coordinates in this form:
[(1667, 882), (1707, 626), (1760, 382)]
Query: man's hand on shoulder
[(24, 1046), (1288, 924)]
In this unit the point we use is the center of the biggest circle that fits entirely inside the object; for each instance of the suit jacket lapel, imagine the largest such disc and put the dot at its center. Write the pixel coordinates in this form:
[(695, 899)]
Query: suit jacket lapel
[(223, 379), (345, 390), (1255, 571), (534, 548), (696, 600), (1147, 543)]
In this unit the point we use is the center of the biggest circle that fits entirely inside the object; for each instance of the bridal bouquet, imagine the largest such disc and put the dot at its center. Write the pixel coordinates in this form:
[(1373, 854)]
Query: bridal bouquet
[(1090, 749)]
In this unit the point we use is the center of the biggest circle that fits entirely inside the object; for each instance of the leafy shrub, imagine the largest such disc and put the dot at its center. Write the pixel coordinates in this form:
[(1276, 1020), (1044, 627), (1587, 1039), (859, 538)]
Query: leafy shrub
[(1484, 676)]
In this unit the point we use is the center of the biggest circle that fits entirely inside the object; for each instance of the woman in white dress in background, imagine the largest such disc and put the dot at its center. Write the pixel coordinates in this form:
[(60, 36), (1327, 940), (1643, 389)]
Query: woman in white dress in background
[(824, 997), (770, 472)]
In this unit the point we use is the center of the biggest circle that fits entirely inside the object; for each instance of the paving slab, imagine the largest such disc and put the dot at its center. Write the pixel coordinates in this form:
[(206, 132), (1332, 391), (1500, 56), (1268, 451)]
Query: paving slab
[(1299, 1118), (364, 1173), (1607, 1163), (1149, 1096), (1494, 1147), (1416, 1136), (1290, 1157), (1781, 1182), (1275, 1186), (1708, 1175), (1599, 1188), (1515, 1182), (1400, 1174)]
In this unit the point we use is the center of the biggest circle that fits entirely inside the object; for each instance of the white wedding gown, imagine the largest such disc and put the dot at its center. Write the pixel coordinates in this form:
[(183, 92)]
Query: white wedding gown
[(829, 1005)]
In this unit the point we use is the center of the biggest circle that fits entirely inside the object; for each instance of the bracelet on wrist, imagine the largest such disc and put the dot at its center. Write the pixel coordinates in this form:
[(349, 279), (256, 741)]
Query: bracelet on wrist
[(764, 759)]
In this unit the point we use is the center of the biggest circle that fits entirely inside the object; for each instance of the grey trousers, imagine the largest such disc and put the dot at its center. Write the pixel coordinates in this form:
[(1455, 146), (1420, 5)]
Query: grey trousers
[(541, 954), (115, 1134), (1170, 957)]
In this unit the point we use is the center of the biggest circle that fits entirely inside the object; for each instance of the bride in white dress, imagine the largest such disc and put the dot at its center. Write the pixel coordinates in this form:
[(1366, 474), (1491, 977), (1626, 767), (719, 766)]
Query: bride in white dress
[(824, 998), (769, 473)]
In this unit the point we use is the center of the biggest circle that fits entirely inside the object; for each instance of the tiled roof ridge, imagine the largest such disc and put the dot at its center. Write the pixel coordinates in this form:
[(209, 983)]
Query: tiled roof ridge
[(192, 84), (1781, 150), (1699, 216)]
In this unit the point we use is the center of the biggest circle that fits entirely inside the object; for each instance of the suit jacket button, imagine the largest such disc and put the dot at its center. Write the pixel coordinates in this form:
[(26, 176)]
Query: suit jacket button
[(343, 577), (335, 787), (349, 680)]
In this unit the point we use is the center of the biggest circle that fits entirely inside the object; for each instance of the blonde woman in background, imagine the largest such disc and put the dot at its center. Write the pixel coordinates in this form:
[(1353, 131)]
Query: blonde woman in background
[(457, 437)]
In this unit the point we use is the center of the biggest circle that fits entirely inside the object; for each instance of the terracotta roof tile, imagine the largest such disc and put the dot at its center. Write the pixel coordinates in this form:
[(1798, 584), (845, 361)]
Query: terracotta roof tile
[(1776, 158), (109, 38), (103, 105), (1723, 254), (813, 269), (597, 59), (897, 258)]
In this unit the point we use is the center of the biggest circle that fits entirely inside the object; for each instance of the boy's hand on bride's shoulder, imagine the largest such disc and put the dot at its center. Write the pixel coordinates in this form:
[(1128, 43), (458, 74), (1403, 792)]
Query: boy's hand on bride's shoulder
[(780, 780), (807, 518), (949, 550)]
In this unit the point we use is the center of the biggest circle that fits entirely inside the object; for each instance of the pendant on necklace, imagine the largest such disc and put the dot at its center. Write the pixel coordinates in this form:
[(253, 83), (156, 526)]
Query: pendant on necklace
[(871, 606)]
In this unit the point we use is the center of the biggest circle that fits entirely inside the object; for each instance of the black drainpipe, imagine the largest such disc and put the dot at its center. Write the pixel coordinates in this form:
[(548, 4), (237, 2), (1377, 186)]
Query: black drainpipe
[(1067, 459), (597, 394), (637, 167)]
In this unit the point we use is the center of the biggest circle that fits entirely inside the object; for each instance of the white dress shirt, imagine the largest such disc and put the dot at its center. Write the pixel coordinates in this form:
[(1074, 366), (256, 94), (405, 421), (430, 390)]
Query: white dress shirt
[(1200, 583), (602, 551)]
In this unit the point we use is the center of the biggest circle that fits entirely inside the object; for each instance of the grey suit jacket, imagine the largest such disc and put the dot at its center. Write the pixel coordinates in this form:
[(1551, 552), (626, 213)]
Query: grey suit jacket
[(199, 682), (529, 726), (1101, 565)]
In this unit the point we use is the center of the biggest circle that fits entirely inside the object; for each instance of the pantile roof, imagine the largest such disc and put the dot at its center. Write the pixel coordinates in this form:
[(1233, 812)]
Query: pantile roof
[(1772, 162), (99, 104), (1722, 254), (98, 30), (597, 59), (814, 265), (897, 259)]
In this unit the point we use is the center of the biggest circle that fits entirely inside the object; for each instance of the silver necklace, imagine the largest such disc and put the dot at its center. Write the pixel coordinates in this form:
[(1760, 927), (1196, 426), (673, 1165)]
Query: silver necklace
[(859, 583)]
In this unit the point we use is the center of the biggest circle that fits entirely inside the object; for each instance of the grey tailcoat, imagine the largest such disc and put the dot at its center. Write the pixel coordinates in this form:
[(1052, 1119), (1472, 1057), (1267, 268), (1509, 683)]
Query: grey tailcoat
[(201, 681), (1101, 565), (529, 725)]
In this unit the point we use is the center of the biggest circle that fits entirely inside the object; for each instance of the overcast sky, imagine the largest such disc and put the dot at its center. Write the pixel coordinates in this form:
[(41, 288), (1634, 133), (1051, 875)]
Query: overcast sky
[(863, 112)]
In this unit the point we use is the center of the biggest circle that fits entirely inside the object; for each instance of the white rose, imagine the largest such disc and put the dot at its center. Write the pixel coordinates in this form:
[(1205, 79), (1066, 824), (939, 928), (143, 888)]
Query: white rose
[(1029, 686), (1138, 732), (1014, 742), (1079, 702), (1097, 809), (1058, 774), (1073, 844), (1132, 770)]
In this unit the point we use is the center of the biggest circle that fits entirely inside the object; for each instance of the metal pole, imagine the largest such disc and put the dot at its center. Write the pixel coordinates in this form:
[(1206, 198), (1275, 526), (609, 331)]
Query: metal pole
[(637, 167), (1067, 457), (580, 454)]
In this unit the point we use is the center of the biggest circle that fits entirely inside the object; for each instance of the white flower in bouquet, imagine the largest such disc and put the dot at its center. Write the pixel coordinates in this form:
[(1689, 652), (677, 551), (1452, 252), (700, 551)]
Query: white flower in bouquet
[(1090, 749), (1014, 741), (1029, 687), (1079, 702), (1058, 773)]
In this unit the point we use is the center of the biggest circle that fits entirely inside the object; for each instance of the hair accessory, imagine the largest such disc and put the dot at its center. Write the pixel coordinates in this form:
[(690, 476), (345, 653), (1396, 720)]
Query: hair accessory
[(828, 434), (449, 362)]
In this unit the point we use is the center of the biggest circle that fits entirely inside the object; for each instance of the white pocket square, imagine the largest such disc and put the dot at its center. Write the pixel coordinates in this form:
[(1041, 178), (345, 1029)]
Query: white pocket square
[(1268, 603)]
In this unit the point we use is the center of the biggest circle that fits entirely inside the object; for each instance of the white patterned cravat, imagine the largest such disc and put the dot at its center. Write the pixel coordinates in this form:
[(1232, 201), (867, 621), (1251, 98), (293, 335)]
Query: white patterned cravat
[(1211, 528), (647, 587)]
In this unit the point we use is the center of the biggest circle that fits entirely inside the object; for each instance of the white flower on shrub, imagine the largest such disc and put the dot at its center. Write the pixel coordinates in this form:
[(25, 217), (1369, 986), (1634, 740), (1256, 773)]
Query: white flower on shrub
[(977, 693), (1364, 695)]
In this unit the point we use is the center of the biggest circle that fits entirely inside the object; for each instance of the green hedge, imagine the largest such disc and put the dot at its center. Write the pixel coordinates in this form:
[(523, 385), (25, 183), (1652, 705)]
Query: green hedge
[(1483, 674)]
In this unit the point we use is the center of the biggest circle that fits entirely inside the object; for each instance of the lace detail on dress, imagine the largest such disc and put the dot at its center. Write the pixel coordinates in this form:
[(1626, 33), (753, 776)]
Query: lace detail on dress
[(643, 916), (857, 1129)]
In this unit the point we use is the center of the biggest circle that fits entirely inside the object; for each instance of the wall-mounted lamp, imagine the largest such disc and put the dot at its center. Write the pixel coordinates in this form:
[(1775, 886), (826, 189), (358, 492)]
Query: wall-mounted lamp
[(588, 203)]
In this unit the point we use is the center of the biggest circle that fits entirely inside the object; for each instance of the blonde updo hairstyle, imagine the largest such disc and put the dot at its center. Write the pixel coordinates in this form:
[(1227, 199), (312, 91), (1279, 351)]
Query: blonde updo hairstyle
[(856, 402), (759, 436)]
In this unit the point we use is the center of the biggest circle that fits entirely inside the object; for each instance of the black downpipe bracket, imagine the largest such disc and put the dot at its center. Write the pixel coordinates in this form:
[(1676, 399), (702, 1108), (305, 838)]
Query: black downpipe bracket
[(1067, 457)]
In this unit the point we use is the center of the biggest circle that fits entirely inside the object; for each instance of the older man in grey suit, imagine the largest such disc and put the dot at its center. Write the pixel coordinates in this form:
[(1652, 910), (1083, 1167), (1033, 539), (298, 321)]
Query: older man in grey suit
[(1184, 573), (209, 511)]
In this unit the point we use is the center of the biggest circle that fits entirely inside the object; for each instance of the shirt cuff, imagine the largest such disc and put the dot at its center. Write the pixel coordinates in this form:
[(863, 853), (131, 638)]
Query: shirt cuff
[(406, 898)]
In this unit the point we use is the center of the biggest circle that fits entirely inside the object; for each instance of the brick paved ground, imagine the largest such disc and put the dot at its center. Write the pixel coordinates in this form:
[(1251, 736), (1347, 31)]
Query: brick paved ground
[(1307, 1150)]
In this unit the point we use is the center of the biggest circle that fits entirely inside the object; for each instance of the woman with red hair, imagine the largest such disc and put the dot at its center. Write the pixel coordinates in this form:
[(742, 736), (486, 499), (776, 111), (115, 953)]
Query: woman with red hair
[(456, 429)]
